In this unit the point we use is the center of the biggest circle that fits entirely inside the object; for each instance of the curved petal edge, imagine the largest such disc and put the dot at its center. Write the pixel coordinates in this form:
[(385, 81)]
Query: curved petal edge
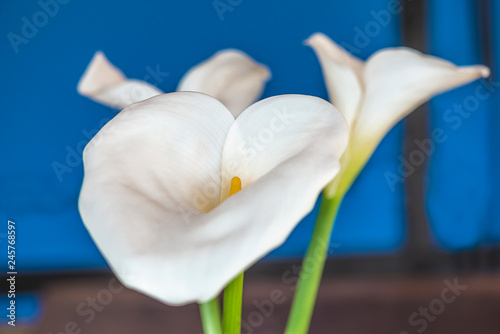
[(230, 76)]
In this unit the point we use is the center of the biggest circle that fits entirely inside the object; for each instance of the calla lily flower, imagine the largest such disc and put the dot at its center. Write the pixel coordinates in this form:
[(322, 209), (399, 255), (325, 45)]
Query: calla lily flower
[(230, 76), (155, 195), (376, 94), (373, 96)]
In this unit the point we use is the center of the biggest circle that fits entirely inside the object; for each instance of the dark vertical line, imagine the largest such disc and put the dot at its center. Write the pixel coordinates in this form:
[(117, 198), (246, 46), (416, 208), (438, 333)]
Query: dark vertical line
[(485, 31), (481, 258), (489, 10), (419, 247), (485, 36)]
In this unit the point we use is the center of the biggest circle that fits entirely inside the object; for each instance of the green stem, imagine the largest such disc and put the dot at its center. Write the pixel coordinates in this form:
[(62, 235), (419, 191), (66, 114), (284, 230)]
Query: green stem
[(233, 297), (210, 317), (312, 267)]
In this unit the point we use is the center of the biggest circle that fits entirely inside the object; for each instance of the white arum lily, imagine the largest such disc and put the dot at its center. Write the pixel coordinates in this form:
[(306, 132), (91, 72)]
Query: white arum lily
[(376, 94), (373, 96), (157, 179), (230, 76)]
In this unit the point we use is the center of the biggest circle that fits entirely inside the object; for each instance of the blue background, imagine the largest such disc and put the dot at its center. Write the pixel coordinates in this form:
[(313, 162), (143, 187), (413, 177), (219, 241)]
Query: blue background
[(462, 174), (44, 121)]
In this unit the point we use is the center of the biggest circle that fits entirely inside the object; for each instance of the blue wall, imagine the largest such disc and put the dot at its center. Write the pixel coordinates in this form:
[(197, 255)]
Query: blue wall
[(461, 170), (44, 121)]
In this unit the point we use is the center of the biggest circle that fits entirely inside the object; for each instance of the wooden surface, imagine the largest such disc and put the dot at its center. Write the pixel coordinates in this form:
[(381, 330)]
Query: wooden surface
[(370, 305)]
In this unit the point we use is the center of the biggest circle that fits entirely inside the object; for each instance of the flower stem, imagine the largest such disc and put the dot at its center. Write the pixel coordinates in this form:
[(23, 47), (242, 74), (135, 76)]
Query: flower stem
[(233, 298), (312, 267), (210, 316)]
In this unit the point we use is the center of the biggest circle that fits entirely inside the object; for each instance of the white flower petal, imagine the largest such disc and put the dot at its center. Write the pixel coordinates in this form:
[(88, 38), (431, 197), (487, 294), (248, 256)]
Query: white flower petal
[(230, 76), (147, 173), (99, 75), (106, 84), (377, 94), (342, 72), (398, 80), (274, 130), (133, 195), (285, 149)]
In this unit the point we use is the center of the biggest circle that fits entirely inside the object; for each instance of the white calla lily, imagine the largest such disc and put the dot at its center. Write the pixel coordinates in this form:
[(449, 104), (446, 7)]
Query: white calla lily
[(230, 76), (157, 176), (373, 96), (376, 94)]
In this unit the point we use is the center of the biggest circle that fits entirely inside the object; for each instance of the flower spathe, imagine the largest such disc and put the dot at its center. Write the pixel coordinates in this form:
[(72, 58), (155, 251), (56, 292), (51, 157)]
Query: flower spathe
[(376, 94), (230, 76), (155, 196)]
